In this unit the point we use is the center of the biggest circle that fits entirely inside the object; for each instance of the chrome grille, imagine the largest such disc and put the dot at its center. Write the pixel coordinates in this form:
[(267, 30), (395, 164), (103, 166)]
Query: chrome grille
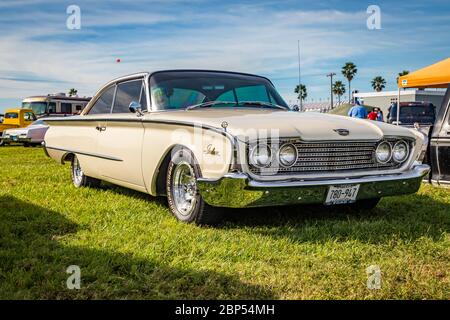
[(330, 157)]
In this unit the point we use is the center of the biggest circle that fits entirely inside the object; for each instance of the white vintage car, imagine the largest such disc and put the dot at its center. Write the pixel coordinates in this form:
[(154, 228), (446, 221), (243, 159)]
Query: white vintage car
[(211, 139), (31, 135)]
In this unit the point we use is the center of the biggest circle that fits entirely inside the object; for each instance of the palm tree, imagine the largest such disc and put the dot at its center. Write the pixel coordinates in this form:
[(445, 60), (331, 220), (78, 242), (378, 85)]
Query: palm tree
[(349, 71), (401, 74), (378, 83), (301, 90), (339, 90), (73, 92)]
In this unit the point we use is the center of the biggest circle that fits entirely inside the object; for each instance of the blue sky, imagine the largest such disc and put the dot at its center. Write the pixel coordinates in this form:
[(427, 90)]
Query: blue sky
[(39, 55)]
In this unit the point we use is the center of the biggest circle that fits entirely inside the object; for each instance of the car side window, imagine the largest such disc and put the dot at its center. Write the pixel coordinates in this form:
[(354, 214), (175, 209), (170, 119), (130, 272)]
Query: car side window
[(29, 116), (126, 93), (103, 104)]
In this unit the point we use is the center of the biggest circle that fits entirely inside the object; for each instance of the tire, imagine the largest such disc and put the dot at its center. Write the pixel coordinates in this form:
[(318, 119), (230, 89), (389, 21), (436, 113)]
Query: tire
[(185, 202), (79, 179), (365, 205), (26, 144), (2, 143)]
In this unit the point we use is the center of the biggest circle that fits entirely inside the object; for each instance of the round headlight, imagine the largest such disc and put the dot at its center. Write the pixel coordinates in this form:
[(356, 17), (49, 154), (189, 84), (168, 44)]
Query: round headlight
[(400, 151), (287, 155), (383, 152), (261, 155)]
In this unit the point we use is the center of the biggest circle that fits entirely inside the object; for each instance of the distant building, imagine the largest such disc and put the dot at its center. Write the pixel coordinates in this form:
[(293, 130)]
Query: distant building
[(384, 99)]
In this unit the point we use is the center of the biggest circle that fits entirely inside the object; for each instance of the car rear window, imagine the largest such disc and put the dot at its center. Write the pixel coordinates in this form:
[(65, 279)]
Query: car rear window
[(11, 115)]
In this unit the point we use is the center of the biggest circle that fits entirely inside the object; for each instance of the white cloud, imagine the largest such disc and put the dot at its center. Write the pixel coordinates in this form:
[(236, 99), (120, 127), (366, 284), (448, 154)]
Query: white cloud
[(244, 38)]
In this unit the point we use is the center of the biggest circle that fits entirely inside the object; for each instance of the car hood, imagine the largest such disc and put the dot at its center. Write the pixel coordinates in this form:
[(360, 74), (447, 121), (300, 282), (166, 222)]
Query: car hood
[(243, 122)]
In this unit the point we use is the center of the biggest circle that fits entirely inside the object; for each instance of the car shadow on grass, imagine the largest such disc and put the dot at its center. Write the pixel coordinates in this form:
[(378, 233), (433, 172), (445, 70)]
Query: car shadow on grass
[(407, 218), (34, 259), (403, 217)]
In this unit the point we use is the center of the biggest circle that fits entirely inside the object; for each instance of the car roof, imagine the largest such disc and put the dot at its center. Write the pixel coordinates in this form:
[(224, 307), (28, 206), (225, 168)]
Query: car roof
[(147, 73)]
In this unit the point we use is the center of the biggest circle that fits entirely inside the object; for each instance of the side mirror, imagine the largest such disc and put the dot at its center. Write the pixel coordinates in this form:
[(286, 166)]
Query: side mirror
[(135, 107)]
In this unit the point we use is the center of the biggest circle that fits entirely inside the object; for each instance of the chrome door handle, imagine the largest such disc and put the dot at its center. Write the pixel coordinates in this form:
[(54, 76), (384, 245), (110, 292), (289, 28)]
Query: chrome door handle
[(100, 128)]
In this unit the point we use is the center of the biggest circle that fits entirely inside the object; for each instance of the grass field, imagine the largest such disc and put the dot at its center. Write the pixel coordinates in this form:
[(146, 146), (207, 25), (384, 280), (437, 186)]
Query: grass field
[(129, 247)]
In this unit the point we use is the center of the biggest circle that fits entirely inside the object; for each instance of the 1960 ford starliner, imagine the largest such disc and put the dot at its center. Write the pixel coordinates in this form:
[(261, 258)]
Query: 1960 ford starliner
[(209, 139)]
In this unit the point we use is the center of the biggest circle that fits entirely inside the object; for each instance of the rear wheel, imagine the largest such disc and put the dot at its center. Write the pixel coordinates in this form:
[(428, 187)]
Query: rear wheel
[(79, 179), (184, 200)]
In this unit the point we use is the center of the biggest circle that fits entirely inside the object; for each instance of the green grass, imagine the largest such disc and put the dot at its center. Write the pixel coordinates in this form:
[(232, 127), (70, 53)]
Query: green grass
[(128, 246), (343, 109)]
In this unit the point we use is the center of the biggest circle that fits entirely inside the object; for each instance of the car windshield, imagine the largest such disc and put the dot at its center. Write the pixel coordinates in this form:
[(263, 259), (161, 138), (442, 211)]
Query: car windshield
[(182, 89), (37, 107)]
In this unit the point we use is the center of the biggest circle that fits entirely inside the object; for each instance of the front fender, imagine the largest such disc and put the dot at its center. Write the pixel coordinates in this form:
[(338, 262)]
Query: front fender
[(212, 149)]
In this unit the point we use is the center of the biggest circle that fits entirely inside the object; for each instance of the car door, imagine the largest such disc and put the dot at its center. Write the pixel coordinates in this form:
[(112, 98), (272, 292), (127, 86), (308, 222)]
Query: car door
[(121, 138), (85, 132), (443, 151)]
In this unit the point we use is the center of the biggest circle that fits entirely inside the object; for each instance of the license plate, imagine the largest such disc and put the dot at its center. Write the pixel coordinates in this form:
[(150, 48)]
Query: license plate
[(14, 138), (342, 194)]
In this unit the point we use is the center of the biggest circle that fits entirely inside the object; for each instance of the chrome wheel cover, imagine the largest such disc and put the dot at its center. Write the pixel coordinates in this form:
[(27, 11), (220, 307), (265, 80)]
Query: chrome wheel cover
[(77, 172), (184, 188)]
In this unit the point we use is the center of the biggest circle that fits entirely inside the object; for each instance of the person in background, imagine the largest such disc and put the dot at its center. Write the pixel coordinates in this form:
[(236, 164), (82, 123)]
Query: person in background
[(357, 111), (380, 115), (373, 115)]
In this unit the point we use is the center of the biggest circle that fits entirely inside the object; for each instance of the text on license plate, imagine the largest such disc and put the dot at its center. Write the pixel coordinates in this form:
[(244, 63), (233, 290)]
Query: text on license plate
[(342, 194)]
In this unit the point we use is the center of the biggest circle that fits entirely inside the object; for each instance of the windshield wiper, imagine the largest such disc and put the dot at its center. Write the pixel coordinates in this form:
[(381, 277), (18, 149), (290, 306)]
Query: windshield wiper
[(263, 104), (208, 104)]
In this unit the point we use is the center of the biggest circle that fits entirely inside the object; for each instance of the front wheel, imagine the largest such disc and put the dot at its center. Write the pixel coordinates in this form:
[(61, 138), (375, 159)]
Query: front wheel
[(79, 179), (184, 200)]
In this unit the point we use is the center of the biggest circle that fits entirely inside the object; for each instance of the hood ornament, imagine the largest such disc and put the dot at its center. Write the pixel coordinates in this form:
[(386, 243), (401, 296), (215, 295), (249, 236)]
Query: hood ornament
[(342, 132)]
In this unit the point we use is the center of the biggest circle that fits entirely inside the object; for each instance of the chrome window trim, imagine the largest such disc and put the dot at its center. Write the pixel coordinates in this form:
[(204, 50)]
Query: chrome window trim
[(107, 85)]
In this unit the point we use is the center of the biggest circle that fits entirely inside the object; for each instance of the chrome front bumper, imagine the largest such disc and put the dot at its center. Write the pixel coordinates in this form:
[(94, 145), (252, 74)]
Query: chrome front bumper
[(237, 190), (17, 139)]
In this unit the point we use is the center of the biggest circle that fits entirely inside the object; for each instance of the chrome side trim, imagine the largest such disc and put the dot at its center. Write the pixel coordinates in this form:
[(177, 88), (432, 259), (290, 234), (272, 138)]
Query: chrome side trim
[(230, 137), (95, 155)]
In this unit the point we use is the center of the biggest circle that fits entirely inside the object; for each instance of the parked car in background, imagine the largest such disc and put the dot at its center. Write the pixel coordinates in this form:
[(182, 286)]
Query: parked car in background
[(31, 135), (58, 104), (16, 118), (423, 113), (210, 139)]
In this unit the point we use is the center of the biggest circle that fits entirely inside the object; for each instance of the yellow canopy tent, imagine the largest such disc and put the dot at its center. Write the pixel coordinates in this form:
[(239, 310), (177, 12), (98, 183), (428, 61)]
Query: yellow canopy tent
[(434, 76)]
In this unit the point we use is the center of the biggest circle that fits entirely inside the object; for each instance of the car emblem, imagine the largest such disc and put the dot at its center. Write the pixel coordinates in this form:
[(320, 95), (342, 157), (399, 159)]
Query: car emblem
[(342, 132)]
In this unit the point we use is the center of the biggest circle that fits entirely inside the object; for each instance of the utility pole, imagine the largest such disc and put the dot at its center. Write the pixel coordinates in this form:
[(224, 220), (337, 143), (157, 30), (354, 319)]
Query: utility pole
[(299, 77), (331, 88)]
